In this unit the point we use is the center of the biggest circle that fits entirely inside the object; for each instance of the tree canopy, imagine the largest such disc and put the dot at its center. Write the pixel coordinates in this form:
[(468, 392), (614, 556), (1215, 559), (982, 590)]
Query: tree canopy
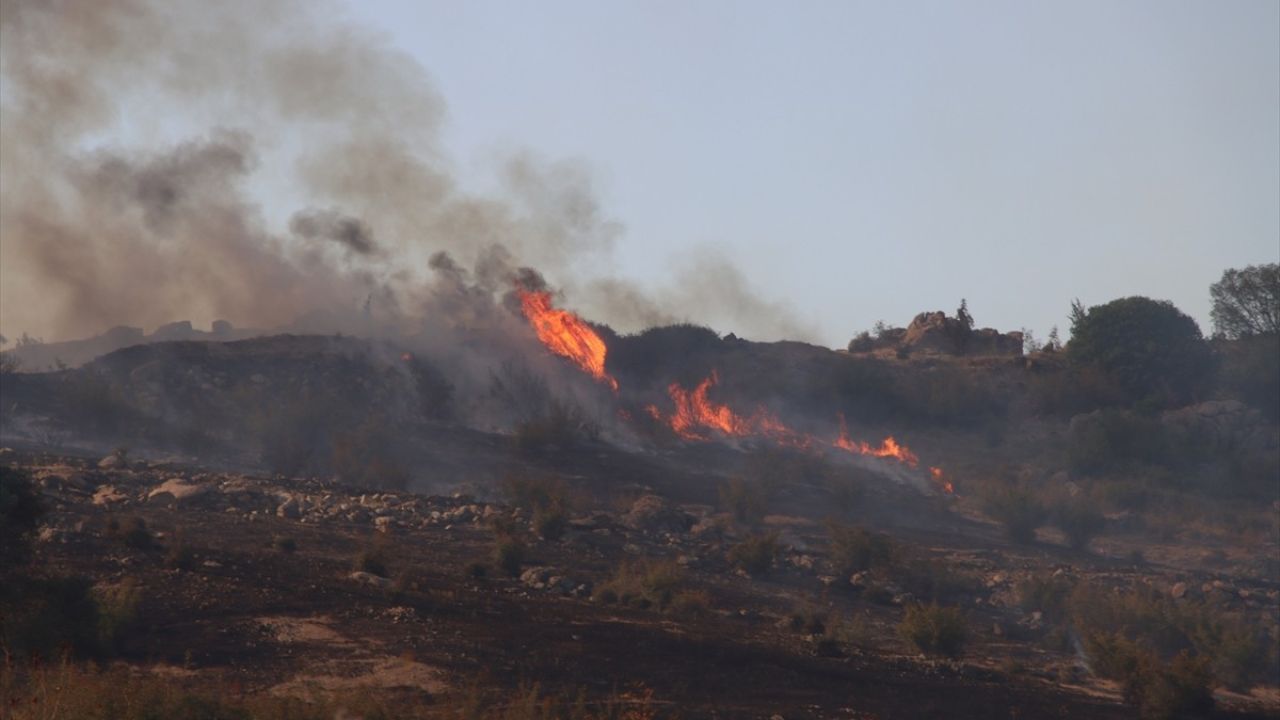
[(1149, 347), (1247, 302)]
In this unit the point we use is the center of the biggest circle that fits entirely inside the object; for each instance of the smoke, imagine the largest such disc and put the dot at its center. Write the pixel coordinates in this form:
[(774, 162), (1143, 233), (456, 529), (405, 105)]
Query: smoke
[(332, 225), (266, 162), (704, 287)]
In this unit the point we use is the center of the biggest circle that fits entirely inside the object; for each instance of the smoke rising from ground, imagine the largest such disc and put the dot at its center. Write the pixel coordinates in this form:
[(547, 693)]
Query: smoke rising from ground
[(107, 219)]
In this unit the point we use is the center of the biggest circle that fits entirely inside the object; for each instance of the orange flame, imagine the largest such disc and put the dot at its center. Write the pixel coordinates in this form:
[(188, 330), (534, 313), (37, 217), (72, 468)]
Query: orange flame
[(889, 448), (942, 481), (697, 416), (566, 334)]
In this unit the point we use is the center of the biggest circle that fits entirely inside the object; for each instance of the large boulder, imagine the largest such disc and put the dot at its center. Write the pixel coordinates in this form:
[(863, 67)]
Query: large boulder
[(1224, 424)]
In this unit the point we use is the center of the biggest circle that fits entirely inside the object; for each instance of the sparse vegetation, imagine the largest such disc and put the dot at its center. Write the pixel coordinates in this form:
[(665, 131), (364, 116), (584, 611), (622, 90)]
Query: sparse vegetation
[(642, 584), (1016, 508), (509, 554), (756, 553), (935, 630), (855, 549)]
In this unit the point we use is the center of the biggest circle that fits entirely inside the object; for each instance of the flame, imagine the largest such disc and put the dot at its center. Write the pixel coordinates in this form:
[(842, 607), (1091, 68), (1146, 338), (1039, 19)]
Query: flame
[(698, 417), (696, 413), (942, 481), (888, 448), (566, 334)]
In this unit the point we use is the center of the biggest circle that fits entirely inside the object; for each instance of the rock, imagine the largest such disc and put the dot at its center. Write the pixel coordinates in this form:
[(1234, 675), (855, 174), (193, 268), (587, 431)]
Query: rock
[(179, 491), (1178, 590), (108, 495), (111, 462), (384, 523), (935, 332), (651, 513), (290, 509), (1223, 424), (365, 578)]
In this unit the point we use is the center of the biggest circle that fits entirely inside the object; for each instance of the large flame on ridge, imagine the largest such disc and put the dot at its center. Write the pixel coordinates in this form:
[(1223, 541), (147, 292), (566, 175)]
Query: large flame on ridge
[(566, 334)]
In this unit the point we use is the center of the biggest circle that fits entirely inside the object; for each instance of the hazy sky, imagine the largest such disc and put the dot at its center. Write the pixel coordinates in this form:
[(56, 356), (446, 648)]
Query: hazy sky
[(868, 160)]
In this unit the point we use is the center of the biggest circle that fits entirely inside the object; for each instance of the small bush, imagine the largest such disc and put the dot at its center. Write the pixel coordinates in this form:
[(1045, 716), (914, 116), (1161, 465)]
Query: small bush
[(808, 620), (1018, 510), (644, 584), (20, 513), (477, 570), (933, 580), (132, 533), (1080, 520), (179, 556), (855, 549), (692, 604), (117, 614), (746, 501), (284, 544), (375, 558), (550, 523), (755, 554), (1049, 595), (934, 630), (509, 555)]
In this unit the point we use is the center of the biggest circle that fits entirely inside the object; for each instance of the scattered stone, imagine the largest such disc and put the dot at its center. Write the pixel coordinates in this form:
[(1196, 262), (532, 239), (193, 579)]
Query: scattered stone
[(108, 495), (1179, 590), (651, 513), (179, 491), (365, 578)]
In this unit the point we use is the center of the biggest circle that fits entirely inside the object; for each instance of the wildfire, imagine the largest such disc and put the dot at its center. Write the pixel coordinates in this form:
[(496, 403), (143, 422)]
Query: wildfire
[(942, 481), (566, 334), (888, 448), (695, 413)]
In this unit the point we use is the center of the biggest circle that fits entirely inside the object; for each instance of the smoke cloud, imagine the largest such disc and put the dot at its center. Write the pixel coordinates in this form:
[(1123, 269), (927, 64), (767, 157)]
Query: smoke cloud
[(152, 149)]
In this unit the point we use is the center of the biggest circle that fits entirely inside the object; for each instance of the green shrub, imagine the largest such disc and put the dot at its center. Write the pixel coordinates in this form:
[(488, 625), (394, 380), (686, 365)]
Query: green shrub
[(20, 514), (1018, 509), (692, 604), (932, 580), (132, 533), (1049, 595), (509, 555), (550, 523), (935, 630), (375, 557), (117, 614), (642, 584), (746, 501), (855, 549), (1151, 349), (808, 619), (1111, 440), (1080, 520), (756, 553), (179, 555)]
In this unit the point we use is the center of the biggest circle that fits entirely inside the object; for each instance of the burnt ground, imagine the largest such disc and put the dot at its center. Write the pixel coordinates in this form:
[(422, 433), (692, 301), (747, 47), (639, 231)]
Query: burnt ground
[(241, 614)]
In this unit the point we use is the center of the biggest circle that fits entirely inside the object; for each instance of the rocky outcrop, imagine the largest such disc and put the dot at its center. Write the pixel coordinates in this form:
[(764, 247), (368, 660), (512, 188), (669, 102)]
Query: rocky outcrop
[(1224, 424), (935, 332)]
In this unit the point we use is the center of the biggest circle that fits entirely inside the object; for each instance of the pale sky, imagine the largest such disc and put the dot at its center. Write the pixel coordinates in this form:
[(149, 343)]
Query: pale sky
[(869, 160)]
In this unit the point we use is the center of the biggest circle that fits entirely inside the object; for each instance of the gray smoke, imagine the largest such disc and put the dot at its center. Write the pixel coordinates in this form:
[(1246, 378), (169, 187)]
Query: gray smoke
[(152, 147)]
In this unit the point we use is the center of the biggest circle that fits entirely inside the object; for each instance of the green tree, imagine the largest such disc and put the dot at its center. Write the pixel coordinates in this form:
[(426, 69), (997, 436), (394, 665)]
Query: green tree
[(1247, 302), (1149, 347)]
